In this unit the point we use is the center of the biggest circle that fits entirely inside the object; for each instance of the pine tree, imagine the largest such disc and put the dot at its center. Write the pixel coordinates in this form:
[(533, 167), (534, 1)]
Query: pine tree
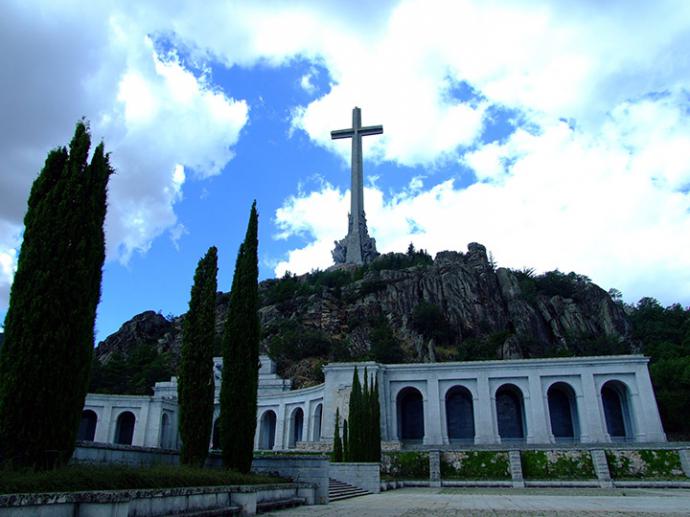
[(337, 444), (239, 386), (49, 326), (346, 443), (195, 384), (355, 419)]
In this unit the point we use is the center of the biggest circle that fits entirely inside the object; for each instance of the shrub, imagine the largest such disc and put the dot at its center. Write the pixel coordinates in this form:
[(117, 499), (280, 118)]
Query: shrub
[(405, 465), (557, 465)]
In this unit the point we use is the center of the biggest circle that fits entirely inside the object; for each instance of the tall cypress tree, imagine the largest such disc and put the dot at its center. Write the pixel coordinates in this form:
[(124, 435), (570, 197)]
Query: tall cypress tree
[(196, 388), (366, 419), (49, 326), (346, 442), (337, 444), (376, 423), (240, 345), (355, 419)]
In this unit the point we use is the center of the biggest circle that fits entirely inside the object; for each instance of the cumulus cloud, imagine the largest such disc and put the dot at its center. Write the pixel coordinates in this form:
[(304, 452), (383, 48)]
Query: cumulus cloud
[(600, 204), (157, 117)]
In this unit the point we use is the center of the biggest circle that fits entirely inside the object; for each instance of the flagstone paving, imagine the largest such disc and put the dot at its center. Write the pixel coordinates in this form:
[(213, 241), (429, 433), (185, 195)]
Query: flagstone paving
[(451, 502)]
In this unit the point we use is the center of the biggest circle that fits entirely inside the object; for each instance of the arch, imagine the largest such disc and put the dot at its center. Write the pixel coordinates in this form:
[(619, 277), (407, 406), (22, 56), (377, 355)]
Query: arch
[(459, 415), (296, 426), (166, 431), (215, 435), (616, 403), (563, 415), (267, 430), (316, 433), (87, 426), (410, 405), (124, 429), (510, 413)]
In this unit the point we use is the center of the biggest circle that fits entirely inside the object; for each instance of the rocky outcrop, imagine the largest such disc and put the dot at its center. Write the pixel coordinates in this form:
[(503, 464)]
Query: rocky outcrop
[(334, 314)]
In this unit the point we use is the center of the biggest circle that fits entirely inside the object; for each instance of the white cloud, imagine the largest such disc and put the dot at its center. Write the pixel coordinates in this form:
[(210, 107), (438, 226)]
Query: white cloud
[(600, 205), (154, 115)]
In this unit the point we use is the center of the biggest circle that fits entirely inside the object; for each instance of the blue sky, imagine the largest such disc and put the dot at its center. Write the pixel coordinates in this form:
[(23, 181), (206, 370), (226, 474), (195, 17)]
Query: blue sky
[(557, 134)]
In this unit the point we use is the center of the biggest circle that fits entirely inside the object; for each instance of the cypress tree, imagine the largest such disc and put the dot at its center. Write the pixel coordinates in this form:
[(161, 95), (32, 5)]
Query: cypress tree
[(355, 419), (240, 345), (195, 384), (337, 444), (346, 444), (49, 326), (376, 423), (366, 419)]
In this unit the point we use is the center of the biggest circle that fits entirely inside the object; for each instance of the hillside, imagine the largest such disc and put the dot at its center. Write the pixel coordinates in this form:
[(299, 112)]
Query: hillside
[(408, 308)]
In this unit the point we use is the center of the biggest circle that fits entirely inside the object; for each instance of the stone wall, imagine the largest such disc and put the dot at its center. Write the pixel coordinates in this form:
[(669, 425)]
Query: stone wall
[(366, 476), (299, 468), (144, 503)]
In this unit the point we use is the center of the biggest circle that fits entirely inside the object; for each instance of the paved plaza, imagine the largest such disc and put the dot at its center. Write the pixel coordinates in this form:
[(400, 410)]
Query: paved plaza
[(447, 502)]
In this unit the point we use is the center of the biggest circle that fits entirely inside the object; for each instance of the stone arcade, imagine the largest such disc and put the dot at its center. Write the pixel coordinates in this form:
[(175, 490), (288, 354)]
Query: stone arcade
[(588, 400)]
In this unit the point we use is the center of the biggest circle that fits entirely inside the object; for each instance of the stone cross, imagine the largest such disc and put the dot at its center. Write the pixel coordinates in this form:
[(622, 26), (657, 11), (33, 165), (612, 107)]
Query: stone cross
[(357, 247)]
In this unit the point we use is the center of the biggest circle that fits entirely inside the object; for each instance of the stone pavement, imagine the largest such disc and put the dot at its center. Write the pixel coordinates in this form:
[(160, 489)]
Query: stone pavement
[(451, 502)]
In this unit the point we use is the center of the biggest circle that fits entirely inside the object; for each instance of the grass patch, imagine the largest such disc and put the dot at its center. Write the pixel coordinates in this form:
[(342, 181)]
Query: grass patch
[(557, 465), (77, 478), (475, 465)]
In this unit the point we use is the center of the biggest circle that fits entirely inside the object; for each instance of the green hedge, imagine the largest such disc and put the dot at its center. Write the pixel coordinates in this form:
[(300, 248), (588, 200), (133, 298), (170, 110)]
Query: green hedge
[(475, 465), (77, 478), (405, 465), (645, 463), (557, 465)]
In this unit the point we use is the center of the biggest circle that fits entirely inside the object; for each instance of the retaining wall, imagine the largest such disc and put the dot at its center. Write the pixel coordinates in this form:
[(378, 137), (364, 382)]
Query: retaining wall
[(150, 503)]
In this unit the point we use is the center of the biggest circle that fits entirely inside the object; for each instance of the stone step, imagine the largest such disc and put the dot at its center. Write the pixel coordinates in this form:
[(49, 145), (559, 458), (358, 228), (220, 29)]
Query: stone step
[(337, 490), (217, 512), (279, 504)]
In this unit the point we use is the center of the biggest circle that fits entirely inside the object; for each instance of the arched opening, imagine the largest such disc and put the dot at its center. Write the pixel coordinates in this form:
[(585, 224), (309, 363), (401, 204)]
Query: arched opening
[(166, 432), (563, 412), (316, 434), (215, 435), (410, 415), (267, 430), (510, 413), (459, 415), (614, 397), (296, 425), (124, 429), (87, 426)]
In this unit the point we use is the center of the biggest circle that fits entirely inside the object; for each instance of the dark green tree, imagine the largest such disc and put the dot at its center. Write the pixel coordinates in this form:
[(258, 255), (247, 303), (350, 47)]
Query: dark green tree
[(346, 443), (238, 392), (195, 383), (337, 444), (49, 326), (366, 419), (375, 423), (355, 419)]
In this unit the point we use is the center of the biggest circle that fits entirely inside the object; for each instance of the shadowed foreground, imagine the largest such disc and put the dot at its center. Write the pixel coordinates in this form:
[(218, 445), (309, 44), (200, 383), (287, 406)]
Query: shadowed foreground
[(449, 502)]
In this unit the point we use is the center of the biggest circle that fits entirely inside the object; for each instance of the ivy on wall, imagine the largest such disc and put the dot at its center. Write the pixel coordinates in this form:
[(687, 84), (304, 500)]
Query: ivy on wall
[(405, 465), (475, 465), (557, 465), (646, 463)]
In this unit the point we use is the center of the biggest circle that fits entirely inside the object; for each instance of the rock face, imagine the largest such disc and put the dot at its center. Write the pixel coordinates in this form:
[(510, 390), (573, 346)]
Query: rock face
[(482, 312), (149, 327)]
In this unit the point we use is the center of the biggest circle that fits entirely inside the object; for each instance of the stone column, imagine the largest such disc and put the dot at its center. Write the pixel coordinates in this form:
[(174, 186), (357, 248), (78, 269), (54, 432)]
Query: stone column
[(592, 428), (434, 469), (432, 413), (280, 429), (484, 412), (537, 428), (645, 409)]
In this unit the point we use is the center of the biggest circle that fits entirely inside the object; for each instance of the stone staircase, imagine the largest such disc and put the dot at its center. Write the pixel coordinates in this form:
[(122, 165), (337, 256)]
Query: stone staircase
[(601, 468), (516, 469), (338, 490)]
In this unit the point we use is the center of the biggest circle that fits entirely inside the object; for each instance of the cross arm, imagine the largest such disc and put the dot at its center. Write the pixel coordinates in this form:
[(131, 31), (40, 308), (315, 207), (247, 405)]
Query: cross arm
[(370, 130), (342, 133)]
